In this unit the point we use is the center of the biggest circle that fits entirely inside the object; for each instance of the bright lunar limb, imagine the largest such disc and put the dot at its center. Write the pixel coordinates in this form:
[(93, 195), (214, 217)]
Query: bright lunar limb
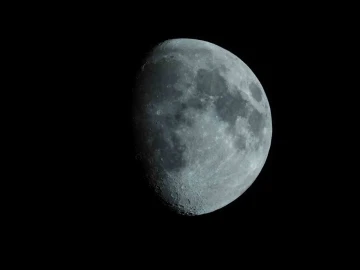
[(202, 123)]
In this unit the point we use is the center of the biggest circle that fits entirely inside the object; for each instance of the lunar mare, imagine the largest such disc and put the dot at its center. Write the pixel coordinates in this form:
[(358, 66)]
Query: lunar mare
[(202, 125)]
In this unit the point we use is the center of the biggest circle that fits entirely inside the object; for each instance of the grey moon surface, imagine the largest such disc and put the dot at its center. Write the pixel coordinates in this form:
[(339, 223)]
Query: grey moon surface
[(202, 125)]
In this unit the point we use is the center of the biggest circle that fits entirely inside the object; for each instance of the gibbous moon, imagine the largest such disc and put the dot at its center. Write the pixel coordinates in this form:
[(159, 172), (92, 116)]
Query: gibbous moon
[(202, 125)]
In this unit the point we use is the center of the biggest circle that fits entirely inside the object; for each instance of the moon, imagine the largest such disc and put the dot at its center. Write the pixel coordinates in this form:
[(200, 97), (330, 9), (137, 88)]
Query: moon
[(202, 125)]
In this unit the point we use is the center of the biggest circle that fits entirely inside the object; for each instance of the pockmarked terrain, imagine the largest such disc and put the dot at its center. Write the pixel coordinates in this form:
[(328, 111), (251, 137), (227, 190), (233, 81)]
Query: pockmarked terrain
[(202, 123)]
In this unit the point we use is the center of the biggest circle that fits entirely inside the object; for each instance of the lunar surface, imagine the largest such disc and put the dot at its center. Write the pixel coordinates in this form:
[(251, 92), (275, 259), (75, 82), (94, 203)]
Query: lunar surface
[(202, 125)]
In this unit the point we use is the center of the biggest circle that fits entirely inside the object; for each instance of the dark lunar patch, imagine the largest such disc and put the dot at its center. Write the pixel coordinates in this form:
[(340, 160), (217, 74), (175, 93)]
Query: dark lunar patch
[(170, 149), (196, 103), (187, 85), (256, 122), (255, 91), (180, 119), (157, 81), (240, 142), (229, 107), (170, 121), (210, 82)]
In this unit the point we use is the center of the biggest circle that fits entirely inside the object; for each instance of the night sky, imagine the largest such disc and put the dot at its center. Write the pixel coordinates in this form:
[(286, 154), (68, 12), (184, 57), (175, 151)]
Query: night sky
[(101, 189)]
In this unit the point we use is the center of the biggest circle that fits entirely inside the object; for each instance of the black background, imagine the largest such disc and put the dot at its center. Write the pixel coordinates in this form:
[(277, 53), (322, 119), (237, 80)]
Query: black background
[(96, 188), (109, 186)]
